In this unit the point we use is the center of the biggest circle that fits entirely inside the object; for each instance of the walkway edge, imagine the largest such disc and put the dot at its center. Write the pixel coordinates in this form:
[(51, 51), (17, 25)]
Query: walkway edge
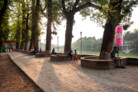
[(25, 73)]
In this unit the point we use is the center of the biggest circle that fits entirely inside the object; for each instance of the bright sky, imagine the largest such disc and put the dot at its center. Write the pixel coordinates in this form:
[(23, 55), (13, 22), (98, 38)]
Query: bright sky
[(87, 27)]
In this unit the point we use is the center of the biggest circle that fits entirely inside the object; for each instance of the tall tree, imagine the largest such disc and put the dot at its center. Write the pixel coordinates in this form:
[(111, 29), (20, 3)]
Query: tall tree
[(117, 11), (23, 24), (69, 10), (32, 31), (53, 15), (3, 9), (48, 35), (27, 19), (35, 26)]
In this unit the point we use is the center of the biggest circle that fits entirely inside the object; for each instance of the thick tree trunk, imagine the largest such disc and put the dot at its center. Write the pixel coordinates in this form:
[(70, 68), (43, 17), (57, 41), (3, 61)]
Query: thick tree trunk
[(26, 39), (68, 34), (18, 33), (27, 34), (0, 46), (114, 19), (31, 43), (35, 26), (2, 13), (18, 39), (27, 28), (48, 35), (3, 10), (32, 30), (108, 40), (23, 25)]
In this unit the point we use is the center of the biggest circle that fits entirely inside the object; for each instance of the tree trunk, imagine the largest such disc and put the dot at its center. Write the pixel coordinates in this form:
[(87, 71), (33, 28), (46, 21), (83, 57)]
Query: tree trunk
[(31, 43), (113, 20), (32, 31), (0, 46), (108, 40), (18, 33), (48, 35), (3, 10), (27, 28), (2, 13), (35, 26), (23, 26), (18, 39), (68, 34), (27, 34)]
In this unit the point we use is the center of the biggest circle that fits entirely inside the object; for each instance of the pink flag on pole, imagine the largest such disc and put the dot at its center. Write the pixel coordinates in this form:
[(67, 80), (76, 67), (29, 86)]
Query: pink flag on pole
[(118, 35)]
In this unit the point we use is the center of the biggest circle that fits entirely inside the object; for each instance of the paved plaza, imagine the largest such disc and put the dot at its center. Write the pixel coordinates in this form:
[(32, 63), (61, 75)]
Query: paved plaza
[(68, 76)]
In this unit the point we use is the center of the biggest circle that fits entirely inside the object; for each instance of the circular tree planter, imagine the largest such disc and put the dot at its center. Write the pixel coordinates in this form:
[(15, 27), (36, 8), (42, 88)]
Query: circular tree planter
[(31, 53), (91, 57), (60, 58), (100, 64), (25, 52), (132, 61), (42, 55)]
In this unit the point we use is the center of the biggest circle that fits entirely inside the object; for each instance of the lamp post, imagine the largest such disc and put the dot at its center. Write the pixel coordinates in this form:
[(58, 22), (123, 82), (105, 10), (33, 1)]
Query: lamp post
[(40, 43), (81, 42), (58, 43), (45, 44)]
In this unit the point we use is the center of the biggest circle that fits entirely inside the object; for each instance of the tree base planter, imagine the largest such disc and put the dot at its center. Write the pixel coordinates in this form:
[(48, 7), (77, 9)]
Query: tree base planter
[(31, 53), (132, 61), (82, 55), (25, 52), (60, 58), (91, 57), (99, 64), (42, 55)]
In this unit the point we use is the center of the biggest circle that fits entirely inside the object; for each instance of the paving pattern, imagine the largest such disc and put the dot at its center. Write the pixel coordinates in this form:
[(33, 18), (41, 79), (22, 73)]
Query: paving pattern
[(69, 76)]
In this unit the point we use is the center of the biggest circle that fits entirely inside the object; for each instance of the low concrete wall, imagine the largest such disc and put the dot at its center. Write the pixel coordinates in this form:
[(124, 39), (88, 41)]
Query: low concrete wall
[(91, 57), (25, 52), (83, 55), (132, 61), (42, 55), (98, 64), (31, 53), (60, 58)]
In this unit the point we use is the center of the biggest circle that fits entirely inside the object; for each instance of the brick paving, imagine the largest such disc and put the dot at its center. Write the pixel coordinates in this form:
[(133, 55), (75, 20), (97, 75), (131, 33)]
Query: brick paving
[(56, 76)]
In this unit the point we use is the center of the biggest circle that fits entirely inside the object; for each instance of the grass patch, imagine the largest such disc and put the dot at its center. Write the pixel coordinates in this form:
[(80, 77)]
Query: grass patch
[(122, 54)]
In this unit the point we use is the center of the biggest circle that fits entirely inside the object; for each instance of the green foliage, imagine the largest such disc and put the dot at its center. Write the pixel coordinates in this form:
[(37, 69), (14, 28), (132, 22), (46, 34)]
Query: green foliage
[(100, 17), (131, 39), (88, 44), (5, 28), (4, 23)]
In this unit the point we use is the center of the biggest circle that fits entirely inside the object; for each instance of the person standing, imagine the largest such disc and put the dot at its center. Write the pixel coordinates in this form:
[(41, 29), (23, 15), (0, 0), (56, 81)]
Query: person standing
[(75, 56)]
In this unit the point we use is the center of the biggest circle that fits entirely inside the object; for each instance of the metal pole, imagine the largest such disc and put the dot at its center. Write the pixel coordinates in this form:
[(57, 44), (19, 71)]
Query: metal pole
[(81, 42), (58, 44), (45, 44), (40, 43)]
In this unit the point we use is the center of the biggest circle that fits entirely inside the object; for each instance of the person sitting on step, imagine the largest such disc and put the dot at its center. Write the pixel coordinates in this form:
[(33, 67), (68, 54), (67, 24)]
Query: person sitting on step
[(120, 63), (70, 54)]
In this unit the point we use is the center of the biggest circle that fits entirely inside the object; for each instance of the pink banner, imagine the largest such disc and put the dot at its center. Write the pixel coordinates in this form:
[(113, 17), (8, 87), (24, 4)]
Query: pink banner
[(118, 35)]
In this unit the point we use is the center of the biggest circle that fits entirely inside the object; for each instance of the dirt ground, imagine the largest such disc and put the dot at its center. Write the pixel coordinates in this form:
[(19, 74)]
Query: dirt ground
[(12, 79)]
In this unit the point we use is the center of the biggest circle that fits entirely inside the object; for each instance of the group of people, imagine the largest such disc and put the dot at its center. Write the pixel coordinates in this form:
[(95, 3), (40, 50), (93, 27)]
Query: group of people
[(70, 54)]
